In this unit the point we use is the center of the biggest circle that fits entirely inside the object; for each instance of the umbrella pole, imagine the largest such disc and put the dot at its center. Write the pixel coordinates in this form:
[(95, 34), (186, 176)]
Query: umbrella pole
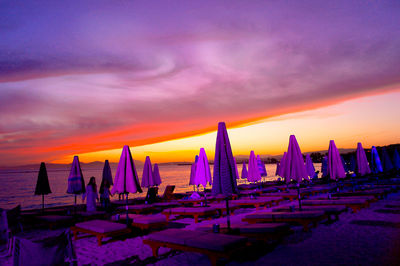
[(75, 205), (228, 220), (43, 203), (205, 197), (126, 208), (298, 195)]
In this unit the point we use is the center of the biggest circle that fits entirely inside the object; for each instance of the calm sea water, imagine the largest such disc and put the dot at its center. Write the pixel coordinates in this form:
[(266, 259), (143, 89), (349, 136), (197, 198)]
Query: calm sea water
[(18, 187)]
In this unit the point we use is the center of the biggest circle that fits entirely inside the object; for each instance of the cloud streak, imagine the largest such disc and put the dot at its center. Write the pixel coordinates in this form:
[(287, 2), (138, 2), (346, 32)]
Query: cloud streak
[(85, 77)]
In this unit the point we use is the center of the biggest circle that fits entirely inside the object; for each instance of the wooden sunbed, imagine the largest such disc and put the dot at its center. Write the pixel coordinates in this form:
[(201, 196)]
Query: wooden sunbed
[(257, 203), (377, 193), (215, 246), (301, 217), (191, 211), (149, 222), (354, 204), (100, 229), (286, 195), (329, 210), (262, 231), (137, 208)]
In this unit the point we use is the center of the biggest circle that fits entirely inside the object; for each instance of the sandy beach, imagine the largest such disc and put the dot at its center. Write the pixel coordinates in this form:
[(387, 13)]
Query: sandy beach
[(368, 237)]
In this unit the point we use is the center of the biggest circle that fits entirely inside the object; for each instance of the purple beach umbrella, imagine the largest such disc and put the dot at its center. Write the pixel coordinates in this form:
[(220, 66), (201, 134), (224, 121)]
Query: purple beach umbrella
[(253, 174), (224, 181), (282, 163), (294, 168), (147, 176), (310, 166), (156, 175), (386, 161), (335, 165), (76, 184), (126, 178), (236, 168), (324, 166), (396, 159), (193, 172), (362, 162), (244, 171), (277, 168), (203, 174), (261, 167), (42, 183), (376, 165)]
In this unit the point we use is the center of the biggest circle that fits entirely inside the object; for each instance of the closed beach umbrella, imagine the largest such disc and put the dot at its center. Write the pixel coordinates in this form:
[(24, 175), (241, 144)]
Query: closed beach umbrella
[(277, 168), (282, 163), (376, 165), (253, 173), (261, 167), (156, 175), (324, 166), (236, 168), (76, 184), (203, 174), (335, 165), (147, 176), (126, 179), (386, 161), (42, 183), (396, 159), (244, 171), (193, 171), (362, 162), (107, 176), (294, 167), (310, 166), (224, 181)]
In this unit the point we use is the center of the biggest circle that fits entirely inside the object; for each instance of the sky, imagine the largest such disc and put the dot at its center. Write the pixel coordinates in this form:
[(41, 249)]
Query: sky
[(87, 77)]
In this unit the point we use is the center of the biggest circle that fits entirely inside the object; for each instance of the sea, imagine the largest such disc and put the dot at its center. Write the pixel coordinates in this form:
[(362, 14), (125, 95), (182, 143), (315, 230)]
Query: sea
[(18, 186)]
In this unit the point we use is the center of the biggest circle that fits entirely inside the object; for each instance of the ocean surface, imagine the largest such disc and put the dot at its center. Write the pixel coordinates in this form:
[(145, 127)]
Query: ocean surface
[(18, 187)]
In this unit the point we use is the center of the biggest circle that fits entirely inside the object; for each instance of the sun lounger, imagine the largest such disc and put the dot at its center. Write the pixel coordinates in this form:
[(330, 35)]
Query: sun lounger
[(302, 217), (377, 193), (149, 222), (286, 195), (53, 221), (354, 204), (338, 196), (221, 206), (215, 246), (168, 193), (262, 231), (329, 210), (137, 208), (264, 202), (191, 211), (100, 229)]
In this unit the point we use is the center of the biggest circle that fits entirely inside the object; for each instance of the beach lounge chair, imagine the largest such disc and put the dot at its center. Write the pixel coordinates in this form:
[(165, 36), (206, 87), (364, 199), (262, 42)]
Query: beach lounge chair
[(100, 229), (10, 224), (53, 221), (354, 204), (168, 193), (330, 211), (149, 222), (264, 202), (215, 246), (377, 193), (301, 217), (138, 208), (191, 211), (261, 231)]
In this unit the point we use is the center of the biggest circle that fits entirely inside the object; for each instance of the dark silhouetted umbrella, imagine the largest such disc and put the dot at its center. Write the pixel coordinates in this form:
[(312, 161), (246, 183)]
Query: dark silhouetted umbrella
[(156, 175), (396, 159), (107, 176), (224, 181), (126, 179), (236, 169), (310, 166), (42, 183), (147, 176), (386, 161)]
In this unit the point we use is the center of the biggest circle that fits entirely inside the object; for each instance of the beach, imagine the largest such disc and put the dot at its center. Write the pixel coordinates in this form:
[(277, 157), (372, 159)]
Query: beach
[(368, 237)]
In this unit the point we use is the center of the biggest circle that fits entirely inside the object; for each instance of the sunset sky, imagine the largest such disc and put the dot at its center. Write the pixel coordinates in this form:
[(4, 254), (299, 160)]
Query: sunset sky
[(87, 77)]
